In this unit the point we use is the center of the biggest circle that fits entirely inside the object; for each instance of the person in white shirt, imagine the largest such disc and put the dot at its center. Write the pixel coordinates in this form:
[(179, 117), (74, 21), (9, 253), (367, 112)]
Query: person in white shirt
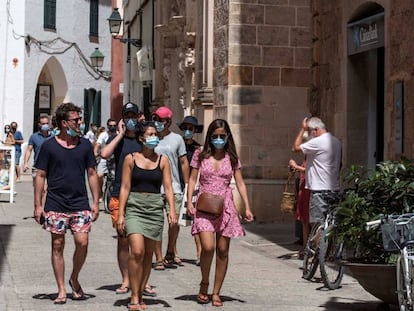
[(323, 164), (102, 167)]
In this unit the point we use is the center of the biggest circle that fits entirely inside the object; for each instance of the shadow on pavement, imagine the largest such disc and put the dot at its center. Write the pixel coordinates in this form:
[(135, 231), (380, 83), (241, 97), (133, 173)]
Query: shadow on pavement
[(5, 233), (338, 304), (194, 298)]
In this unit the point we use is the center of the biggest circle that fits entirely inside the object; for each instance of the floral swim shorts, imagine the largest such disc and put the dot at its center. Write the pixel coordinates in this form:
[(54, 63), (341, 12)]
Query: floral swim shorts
[(77, 222)]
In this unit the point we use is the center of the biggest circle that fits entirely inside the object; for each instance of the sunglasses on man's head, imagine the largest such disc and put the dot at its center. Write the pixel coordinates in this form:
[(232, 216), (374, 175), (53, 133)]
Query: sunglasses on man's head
[(222, 136)]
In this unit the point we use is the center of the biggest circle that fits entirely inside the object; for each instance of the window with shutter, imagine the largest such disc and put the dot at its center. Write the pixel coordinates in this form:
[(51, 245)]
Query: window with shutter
[(93, 17), (49, 18)]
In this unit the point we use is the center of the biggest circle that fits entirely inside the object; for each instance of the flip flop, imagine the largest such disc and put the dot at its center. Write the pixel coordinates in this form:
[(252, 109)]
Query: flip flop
[(122, 290), (149, 291), (159, 265), (59, 301), (178, 261), (77, 294), (134, 307)]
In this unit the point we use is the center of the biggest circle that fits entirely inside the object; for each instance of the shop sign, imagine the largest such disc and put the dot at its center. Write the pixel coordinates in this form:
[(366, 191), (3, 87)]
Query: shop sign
[(366, 34)]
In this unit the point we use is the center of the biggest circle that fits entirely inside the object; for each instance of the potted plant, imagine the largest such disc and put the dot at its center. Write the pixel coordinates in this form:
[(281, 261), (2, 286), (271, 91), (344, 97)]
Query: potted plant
[(387, 190)]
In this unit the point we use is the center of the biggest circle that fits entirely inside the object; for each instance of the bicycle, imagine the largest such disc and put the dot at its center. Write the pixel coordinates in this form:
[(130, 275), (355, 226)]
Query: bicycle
[(324, 250), (398, 235), (109, 183)]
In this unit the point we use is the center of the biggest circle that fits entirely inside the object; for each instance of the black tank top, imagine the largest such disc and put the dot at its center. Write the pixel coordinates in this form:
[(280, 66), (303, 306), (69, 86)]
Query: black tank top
[(148, 181)]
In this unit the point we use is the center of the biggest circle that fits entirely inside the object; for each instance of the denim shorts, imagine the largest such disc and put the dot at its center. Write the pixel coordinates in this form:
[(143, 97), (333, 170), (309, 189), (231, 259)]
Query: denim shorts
[(321, 202)]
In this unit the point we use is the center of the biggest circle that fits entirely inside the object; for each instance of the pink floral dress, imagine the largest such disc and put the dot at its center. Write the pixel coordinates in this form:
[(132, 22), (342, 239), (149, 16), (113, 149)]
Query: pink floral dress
[(217, 182)]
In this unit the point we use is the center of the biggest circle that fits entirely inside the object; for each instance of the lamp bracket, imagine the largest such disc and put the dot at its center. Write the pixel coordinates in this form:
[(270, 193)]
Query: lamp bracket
[(134, 42)]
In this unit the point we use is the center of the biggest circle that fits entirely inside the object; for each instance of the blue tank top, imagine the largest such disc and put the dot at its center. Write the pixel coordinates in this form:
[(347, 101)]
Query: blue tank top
[(149, 181)]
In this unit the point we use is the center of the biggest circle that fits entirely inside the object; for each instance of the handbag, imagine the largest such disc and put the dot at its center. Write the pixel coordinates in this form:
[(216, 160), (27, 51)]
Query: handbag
[(288, 202), (210, 203)]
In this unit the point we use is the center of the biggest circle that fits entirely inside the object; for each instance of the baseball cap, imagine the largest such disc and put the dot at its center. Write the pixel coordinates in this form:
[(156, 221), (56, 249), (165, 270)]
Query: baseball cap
[(130, 107), (163, 113)]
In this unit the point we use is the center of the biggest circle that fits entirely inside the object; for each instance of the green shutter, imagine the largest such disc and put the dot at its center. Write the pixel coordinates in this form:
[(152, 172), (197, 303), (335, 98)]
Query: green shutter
[(49, 18)]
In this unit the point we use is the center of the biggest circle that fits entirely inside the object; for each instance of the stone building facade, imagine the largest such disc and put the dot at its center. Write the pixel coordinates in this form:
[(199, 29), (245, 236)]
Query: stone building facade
[(264, 65)]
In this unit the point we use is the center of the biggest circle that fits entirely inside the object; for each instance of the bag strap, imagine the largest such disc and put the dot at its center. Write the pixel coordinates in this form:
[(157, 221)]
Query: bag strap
[(290, 182)]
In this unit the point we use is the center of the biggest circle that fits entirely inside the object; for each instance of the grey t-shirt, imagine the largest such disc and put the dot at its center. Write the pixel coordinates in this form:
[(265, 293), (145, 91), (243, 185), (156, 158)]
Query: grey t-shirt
[(173, 147)]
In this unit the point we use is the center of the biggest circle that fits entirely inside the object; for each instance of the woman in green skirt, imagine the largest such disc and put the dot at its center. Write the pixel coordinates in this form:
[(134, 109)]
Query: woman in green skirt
[(141, 214)]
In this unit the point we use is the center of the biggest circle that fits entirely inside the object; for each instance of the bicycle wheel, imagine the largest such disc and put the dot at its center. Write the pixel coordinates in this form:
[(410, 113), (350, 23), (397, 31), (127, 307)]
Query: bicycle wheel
[(311, 258), (405, 275), (107, 195), (330, 256)]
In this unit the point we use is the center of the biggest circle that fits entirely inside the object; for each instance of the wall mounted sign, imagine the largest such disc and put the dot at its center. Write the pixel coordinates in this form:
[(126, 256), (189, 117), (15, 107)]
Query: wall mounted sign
[(366, 34), (44, 97), (398, 117)]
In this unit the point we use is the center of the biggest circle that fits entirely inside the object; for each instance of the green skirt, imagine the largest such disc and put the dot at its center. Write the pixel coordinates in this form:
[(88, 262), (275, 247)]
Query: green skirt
[(145, 215)]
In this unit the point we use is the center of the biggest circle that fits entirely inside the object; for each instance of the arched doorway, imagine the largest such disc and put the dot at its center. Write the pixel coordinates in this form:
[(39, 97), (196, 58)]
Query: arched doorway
[(365, 87), (51, 90)]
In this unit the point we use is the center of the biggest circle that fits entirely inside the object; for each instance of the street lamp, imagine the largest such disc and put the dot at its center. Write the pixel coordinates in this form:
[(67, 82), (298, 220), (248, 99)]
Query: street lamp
[(97, 59), (115, 22)]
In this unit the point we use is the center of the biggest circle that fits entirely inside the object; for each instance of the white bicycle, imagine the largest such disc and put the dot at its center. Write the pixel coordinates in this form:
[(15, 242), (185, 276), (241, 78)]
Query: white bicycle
[(398, 235)]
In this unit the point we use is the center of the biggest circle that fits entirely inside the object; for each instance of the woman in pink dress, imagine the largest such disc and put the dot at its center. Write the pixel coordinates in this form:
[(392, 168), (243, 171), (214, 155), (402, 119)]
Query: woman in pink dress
[(217, 163)]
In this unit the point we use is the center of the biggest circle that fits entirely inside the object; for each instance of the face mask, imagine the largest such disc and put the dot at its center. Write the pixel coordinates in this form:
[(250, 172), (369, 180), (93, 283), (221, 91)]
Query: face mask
[(57, 132), (188, 134), (7, 130), (130, 124), (159, 126), (112, 129), (151, 142), (82, 127), (219, 143), (71, 132), (44, 127)]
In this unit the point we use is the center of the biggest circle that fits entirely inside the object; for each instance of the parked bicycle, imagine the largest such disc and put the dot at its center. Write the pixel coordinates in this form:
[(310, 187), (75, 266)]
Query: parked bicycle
[(398, 236), (109, 180), (324, 250)]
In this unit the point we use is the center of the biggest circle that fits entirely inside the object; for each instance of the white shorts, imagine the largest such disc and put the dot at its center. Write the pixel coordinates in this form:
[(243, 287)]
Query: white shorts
[(102, 168)]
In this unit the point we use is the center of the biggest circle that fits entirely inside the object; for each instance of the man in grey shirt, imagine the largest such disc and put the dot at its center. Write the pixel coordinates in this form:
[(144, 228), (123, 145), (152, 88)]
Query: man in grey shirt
[(171, 145)]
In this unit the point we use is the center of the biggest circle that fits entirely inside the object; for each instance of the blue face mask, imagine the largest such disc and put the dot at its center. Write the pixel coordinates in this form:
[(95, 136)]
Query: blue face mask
[(44, 127), (159, 126), (219, 143), (151, 142), (56, 132), (130, 124), (82, 128), (71, 132), (188, 134)]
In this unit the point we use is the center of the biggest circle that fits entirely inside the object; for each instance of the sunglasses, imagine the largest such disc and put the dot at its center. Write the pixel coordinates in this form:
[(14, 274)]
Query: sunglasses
[(222, 136), (76, 120)]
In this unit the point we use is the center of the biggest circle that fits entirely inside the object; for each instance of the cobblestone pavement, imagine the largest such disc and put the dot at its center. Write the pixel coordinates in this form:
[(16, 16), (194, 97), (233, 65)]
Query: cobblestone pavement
[(264, 272)]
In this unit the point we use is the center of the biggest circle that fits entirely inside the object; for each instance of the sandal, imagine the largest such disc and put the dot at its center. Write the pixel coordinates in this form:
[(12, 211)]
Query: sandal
[(159, 265), (169, 260), (178, 261), (122, 290), (77, 294), (135, 306), (202, 297), (149, 291), (59, 301), (216, 301)]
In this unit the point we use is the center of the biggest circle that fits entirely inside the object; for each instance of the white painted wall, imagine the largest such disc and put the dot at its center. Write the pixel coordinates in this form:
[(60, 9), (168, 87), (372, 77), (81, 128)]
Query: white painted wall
[(18, 85)]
